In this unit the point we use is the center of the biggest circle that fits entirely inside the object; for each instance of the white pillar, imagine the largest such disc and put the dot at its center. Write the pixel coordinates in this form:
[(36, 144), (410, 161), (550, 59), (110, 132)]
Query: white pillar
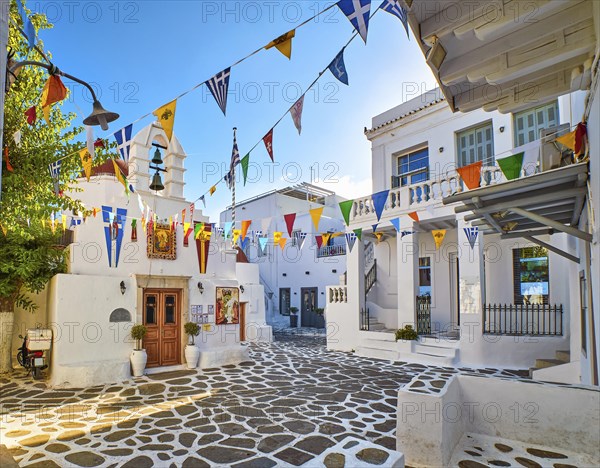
[(471, 283), (408, 278)]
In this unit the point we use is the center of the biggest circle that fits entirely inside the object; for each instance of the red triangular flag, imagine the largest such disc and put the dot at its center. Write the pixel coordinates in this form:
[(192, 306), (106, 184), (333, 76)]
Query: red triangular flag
[(31, 115), (414, 215), (268, 141), (319, 240), (289, 222), (99, 143), (9, 167)]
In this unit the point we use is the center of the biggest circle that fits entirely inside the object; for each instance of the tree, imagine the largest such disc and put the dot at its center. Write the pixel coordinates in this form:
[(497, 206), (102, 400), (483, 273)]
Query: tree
[(30, 254)]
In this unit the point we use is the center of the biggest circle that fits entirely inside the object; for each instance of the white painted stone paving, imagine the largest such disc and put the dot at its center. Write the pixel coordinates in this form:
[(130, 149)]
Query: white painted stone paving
[(293, 402)]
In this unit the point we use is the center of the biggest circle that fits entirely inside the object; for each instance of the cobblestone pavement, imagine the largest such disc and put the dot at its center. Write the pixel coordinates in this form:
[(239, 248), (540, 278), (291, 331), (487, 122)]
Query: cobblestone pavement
[(292, 402)]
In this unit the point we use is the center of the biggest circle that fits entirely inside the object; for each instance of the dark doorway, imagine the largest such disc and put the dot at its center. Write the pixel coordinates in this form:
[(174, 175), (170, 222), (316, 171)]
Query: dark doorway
[(284, 301), (309, 303)]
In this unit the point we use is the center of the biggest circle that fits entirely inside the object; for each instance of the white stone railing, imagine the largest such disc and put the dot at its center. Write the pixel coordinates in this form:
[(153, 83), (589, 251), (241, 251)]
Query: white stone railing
[(337, 294)]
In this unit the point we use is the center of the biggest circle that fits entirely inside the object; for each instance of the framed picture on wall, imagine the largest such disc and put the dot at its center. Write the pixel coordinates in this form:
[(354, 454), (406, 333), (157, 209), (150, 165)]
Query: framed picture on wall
[(161, 242), (227, 306)]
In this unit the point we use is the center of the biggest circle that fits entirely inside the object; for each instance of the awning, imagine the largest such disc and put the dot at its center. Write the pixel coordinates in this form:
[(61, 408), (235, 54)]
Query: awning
[(544, 203)]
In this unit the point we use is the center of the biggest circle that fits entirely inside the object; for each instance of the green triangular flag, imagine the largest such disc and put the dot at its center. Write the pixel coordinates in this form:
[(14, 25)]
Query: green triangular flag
[(511, 166), (197, 229), (358, 233), (345, 208), (244, 162)]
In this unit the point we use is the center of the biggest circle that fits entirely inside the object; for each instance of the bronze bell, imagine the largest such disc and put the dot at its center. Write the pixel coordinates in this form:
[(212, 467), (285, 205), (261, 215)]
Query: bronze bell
[(157, 159), (100, 116), (156, 184)]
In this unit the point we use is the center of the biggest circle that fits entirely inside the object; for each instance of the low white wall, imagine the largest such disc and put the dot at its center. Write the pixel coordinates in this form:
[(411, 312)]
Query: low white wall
[(477, 349), (342, 324), (389, 317), (430, 425)]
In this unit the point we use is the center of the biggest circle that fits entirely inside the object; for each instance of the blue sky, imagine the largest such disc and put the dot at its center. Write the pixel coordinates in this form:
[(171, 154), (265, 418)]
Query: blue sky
[(142, 54)]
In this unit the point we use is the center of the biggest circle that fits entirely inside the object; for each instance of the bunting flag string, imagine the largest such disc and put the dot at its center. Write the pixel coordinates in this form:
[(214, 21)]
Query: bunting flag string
[(315, 215), (438, 237), (358, 233), (403, 234), (283, 43), (120, 177), (244, 163), (27, 25), (296, 113), (245, 227), (471, 174), (396, 223), (345, 208), (166, 117), (350, 240), (414, 216), (379, 200), (262, 242), (395, 8), (31, 115), (289, 222), (219, 87), (54, 169), (471, 233), (123, 139), (54, 91), (338, 68), (511, 166), (86, 162), (268, 141), (358, 13)]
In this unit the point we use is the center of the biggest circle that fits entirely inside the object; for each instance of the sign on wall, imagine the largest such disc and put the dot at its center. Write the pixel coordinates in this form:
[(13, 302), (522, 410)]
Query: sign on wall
[(162, 242), (228, 306)]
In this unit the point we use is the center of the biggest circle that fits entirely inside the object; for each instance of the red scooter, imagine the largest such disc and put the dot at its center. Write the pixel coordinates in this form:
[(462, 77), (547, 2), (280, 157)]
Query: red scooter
[(31, 354)]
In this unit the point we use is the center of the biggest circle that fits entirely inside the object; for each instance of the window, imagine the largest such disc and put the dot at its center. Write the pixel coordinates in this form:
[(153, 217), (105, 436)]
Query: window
[(531, 277), (425, 276), (529, 122), (284, 301), (476, 144), (295, 235), (412, 168)]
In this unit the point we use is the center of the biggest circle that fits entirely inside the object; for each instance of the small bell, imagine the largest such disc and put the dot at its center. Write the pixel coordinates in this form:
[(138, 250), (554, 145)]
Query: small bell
[(157, 159), (156, 184)]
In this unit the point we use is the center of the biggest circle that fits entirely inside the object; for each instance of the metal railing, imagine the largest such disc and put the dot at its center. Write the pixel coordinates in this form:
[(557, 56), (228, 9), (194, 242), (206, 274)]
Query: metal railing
[(371, 278), (364, 319), (523, 319), (423, 315), (331, 251)]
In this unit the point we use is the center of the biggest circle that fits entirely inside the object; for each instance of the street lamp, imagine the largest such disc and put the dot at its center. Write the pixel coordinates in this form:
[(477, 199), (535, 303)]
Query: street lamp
[(99, 115)]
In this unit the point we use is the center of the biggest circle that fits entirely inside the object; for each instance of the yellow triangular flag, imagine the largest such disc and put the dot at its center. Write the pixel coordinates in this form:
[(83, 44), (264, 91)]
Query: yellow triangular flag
[(212, 190), (166, 117), (337, 234), (438, 237), (325, 238), (282, 242), (236, 235), (379, 236), (277, 236), (283, 43), (120, 177), (568, 140), (86, 162), (315, 215), (63, 218)]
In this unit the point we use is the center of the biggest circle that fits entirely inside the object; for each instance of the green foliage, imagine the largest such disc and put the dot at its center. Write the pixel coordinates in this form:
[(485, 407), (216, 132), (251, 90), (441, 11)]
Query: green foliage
[(191, 329), (319, 311), (29, 258), (138, 332), (293, 310), (407, 333)]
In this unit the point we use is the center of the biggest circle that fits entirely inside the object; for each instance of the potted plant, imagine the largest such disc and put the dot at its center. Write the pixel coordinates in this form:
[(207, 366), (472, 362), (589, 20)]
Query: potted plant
[(138, 357), (192, 352), (405, 337), (320, 322), (293, 317)]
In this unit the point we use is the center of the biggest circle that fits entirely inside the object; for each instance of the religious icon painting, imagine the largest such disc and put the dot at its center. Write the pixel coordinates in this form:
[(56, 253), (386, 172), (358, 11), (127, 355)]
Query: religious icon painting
[(228, 306), (162, 242)]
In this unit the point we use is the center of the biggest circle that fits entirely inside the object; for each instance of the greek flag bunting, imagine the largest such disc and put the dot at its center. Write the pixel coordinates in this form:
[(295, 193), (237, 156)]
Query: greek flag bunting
[(235, 160), (123, 138), (472, 233), (395, 8), (351, 240), (219, 86), (358, 12)]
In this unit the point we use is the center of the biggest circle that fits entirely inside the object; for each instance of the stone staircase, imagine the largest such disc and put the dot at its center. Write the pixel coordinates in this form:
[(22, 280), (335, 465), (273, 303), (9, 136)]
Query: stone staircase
[(376, 326), (561, 357), (442, 352)]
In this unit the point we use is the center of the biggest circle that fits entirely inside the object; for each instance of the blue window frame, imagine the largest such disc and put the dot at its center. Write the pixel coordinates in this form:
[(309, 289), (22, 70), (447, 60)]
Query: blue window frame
[(412, 168)]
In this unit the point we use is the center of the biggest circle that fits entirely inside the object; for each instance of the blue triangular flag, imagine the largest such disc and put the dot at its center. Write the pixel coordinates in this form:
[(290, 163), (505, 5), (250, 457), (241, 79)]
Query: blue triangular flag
[(219, 87), (358, 12), (228, 226), (395, 8), (121, 218), (123, 138), (244, 242), (338, 68), (262, 242), (472, 233), (27, 25), (379, 200), (405, 233), (351, 240), (396, 223), (375, 227)]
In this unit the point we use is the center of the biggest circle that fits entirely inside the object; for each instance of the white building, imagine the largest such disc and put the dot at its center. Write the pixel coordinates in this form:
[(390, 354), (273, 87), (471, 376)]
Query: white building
[(296, 276), (538, 235), (114, 282)]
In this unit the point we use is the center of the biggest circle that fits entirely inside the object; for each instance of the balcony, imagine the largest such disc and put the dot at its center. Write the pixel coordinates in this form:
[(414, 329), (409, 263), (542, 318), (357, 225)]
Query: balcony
[(331, 251)]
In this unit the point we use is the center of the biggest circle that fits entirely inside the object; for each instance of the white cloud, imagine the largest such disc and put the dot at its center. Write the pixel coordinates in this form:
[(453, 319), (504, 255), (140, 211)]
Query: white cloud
[(347, 186)]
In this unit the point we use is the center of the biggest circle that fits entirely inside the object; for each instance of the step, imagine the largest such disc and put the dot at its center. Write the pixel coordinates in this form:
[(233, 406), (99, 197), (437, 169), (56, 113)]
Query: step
[(564, 356), (381, 344), (426, 359), (377, 335), (439, 342), (544, 363), (377, 353), (432, 350), (374, 326)]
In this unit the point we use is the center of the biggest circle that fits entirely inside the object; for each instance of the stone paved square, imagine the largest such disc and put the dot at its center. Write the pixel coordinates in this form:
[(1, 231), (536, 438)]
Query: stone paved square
[(289, 405)]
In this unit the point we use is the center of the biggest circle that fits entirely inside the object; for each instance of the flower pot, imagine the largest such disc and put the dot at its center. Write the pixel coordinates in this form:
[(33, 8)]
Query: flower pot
[(294, 321), (192, 354), (138, 360)]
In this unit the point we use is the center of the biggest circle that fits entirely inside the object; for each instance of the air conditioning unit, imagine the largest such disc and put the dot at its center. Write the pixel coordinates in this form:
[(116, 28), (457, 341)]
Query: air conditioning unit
[(553, 155)]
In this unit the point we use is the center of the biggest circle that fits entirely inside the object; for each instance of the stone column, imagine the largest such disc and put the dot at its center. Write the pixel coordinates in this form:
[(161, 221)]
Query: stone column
[(408, 278)]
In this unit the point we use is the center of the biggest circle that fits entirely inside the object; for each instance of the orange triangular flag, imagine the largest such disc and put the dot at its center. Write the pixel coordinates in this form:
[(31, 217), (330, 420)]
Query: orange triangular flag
[(414, 215), (282, 242), (54, 91), (245, 226), (471, 175), (283, 43)]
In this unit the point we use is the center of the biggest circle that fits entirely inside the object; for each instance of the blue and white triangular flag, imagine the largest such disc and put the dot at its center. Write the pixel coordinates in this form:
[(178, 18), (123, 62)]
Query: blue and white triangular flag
[(395, 8), (358, 12), (227, 226), (301, 236), (351, 240), (472, 233), (262, 243), (219, 86), (54, 169), (338, 68), (123, 138), (405, 233)]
